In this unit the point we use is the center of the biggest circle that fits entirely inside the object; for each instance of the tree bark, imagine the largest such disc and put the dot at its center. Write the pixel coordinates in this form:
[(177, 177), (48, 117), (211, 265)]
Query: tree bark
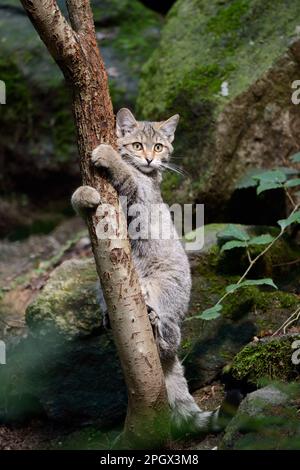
[(74, 48)]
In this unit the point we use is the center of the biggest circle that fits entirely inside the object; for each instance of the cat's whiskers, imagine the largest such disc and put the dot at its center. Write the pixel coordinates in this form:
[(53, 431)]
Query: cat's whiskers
[(173, 167)]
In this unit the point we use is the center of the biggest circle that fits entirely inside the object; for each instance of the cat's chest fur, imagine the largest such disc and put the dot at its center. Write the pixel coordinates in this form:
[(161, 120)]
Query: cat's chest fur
[(152, 238)]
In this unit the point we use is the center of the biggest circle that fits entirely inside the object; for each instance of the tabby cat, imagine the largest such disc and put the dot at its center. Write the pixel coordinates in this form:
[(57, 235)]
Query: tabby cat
[(144, 151)]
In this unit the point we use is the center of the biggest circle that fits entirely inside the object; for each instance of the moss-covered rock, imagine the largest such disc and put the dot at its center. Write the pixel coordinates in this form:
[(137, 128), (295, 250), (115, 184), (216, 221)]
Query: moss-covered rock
[(268, 358), (267, 419), (68, 302), (65, 366), (226, 68)]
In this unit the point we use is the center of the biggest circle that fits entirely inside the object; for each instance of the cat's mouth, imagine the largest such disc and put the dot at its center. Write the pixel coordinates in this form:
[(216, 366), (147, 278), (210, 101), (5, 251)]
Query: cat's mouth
[(145, 168)]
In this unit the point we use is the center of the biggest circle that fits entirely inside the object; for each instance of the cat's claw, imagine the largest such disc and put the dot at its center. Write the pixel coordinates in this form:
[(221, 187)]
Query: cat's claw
[(145, 293), (106, 321), (153, 317)]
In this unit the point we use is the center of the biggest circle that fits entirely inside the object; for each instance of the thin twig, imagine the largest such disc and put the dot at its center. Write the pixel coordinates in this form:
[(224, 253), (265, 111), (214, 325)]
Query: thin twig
[(287, 322), (287, 263)]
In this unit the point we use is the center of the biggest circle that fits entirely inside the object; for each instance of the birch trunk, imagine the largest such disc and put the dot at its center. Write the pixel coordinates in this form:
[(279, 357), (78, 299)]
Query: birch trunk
[(74, 48)]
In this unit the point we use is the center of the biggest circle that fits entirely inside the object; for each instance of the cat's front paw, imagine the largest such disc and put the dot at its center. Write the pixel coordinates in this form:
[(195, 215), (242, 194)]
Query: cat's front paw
[(104, 156), (84, 198)]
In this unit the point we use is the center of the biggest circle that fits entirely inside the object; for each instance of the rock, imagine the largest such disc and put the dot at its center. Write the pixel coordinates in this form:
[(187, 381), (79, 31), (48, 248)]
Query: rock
[(267, 419), (66, 367), (269, 358), (234, 115)]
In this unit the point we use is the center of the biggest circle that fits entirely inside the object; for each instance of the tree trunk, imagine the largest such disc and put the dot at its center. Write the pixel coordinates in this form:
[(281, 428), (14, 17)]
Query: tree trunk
[(75, 50)]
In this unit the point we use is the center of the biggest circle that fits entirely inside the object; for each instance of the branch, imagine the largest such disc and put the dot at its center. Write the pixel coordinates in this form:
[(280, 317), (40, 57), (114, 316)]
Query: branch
[(81, 15), (52, 27)]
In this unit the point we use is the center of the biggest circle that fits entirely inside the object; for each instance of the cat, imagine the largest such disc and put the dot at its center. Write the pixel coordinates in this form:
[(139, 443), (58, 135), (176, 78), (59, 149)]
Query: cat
[(144, 152)]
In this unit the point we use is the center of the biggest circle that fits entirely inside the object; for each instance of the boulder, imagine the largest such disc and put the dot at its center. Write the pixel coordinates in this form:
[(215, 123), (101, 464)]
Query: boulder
[(227, 68), (66, 367), (267, 419)]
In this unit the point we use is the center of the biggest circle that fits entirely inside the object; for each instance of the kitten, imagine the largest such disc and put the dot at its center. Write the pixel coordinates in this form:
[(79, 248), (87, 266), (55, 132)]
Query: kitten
[(136, 171)]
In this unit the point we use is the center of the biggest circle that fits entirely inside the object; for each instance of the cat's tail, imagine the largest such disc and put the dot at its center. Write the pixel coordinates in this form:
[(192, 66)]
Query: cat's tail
[(187, 417)]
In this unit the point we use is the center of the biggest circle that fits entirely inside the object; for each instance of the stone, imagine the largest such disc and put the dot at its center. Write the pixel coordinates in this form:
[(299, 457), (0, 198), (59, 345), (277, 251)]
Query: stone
[(267, 419)]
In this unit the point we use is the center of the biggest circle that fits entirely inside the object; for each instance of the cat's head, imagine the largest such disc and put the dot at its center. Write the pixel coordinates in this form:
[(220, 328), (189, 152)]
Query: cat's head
[(145, 145)]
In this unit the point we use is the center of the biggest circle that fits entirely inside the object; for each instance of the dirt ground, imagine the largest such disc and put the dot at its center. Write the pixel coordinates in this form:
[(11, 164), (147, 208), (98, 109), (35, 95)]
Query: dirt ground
[(40, 434)]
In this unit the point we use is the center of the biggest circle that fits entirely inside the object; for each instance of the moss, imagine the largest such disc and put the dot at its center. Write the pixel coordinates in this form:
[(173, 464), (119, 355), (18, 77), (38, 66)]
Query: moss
[(68, 302), (269, 359)]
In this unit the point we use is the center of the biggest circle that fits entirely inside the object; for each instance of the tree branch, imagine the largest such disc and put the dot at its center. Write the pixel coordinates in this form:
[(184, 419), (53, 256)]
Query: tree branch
[(81, 15), (52, 27)]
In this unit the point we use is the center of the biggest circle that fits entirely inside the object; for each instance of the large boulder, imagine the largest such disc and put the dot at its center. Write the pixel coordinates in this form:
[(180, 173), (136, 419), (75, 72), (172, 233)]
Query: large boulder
[(227, 69)]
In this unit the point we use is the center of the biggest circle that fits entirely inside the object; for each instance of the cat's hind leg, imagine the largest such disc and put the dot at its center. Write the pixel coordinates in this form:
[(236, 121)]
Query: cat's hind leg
[(187, 417)]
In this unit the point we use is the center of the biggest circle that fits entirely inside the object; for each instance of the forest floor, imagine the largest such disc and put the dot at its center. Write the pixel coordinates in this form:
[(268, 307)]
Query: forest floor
[(40, 434)]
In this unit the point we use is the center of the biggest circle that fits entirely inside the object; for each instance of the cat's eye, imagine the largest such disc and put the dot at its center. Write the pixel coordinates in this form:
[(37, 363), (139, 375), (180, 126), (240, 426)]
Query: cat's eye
[(158, 147), (137, 146)]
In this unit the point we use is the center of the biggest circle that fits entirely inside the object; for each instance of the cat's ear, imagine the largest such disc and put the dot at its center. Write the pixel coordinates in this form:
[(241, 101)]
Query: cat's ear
[(168, 127), (125, 122)]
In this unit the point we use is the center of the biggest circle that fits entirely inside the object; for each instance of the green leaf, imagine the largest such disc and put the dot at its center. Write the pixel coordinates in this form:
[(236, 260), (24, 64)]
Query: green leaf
[(295, 158), (233, 244), (266, 186), (247, 181), (293, 218), (288, 171), (210, 313), (292, 183), (271, 176), (261, 239), (232, 231), (251, 282)]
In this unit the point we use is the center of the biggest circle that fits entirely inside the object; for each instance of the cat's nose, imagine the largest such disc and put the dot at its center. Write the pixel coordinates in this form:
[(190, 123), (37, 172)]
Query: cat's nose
[(149, 160)]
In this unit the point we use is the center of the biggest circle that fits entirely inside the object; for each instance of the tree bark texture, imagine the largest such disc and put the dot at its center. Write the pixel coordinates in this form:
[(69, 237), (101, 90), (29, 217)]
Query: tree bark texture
[(74, 47)]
